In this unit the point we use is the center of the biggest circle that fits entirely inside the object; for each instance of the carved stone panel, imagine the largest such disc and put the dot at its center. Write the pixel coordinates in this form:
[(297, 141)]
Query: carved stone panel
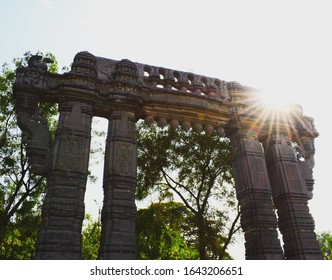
[(258, 174), (124, 162), (70, 154)]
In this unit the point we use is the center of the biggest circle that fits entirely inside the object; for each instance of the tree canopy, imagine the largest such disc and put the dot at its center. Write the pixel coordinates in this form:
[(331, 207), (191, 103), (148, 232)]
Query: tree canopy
[(194, 168), (91, 234), (164, 231), (325, 242), (21, 192)]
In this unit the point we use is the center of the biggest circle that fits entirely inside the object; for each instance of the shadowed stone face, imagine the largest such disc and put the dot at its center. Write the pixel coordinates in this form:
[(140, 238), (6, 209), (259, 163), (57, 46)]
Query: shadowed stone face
[(268, 174)]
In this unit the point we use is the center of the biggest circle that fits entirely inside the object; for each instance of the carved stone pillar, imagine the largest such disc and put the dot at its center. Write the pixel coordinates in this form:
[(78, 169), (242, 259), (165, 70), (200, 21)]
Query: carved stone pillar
[(290, 197), (118, 240), (63, 209), (253, 191)]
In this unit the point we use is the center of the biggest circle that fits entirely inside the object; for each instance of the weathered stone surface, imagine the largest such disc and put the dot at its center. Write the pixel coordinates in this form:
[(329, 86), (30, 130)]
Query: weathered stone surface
[(118, 240), (63, 209), (290, 197), (123, 92), (258, 220)]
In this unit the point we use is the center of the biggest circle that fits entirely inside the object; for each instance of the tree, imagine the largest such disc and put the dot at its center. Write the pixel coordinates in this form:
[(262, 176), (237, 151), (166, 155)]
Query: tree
[(196, 168), (164, 232), (325, 242), (91, 234), (21, 192)]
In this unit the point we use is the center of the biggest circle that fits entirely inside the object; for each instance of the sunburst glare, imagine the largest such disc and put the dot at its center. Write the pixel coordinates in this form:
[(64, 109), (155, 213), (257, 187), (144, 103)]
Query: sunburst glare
[(272, 111), (275, 101)]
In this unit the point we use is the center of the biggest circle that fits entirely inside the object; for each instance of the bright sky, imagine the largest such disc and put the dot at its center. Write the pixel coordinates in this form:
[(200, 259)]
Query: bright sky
[(283, 47)]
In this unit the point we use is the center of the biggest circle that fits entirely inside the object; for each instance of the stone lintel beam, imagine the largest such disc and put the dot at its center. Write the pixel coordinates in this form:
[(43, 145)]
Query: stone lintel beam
[(104, 82)]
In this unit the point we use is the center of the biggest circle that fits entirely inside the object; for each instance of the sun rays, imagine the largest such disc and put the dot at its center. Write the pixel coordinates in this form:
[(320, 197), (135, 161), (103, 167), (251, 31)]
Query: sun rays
[(270, 114)]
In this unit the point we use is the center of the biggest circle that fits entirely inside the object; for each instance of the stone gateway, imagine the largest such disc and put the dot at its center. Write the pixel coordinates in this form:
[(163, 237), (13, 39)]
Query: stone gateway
[(269, 173)]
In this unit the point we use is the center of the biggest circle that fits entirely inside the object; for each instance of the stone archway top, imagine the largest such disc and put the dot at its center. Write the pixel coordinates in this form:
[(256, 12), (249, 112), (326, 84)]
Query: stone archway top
[(151, 92)]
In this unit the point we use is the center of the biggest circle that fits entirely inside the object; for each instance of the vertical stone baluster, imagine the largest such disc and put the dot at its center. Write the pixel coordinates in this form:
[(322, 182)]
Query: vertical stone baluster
[(118, 240), (306, 134), (306, 162), (35, 132), (63, 209), (290, 197), (253, 191)]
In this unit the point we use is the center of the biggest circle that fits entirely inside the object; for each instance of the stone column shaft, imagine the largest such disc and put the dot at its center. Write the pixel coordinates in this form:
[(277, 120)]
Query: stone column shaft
[(290, 196), (118, 240), (253, 191), (63, 209)]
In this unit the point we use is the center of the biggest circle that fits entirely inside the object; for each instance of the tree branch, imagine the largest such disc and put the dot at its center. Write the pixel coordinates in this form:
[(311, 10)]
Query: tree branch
[(178, 193), (179, 184), (207, 195), (231, 232)]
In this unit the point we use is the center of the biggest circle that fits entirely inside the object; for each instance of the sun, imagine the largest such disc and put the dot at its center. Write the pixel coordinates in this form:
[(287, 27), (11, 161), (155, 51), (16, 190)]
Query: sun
[(272, 109), (274, 100)]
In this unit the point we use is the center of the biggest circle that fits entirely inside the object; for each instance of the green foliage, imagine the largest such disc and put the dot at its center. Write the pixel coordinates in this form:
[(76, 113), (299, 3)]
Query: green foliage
[(91, 234), (325, 242), (21, 192), (201, 163), (195, 168), (164, 232), (20, 237)]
